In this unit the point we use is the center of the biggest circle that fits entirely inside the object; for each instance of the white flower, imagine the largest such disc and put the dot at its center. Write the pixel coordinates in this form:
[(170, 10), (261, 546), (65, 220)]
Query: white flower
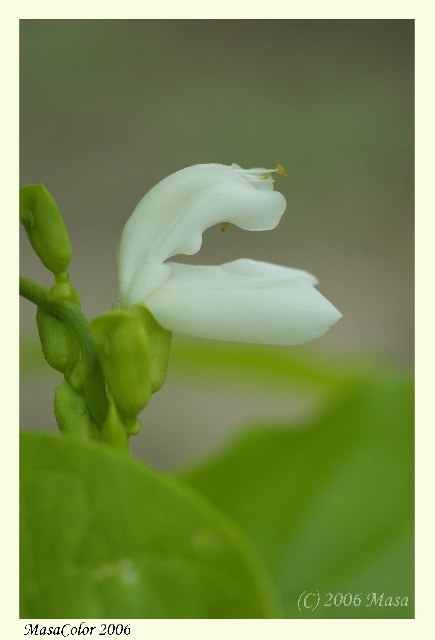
[(244, 300)]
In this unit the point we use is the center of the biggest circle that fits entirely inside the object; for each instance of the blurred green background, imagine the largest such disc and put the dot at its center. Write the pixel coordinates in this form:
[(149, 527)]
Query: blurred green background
[(110, 107)]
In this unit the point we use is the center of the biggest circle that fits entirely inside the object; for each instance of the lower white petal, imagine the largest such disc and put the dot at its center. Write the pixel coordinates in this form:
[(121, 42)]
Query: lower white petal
[(243, 301)]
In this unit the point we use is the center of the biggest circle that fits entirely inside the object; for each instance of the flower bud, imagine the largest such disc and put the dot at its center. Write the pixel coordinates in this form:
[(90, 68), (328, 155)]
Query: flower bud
[(160, 344), (123, 347), (59, 343), (45, 228), (72, 414)]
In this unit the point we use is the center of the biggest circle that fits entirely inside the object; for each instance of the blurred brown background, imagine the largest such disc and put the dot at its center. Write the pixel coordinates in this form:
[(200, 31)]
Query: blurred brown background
[(110, 107)]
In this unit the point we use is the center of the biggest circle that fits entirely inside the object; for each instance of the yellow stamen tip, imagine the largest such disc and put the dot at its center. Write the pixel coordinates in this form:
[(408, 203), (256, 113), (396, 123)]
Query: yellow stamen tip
[(280, 169), (224, 226), (266, 175)]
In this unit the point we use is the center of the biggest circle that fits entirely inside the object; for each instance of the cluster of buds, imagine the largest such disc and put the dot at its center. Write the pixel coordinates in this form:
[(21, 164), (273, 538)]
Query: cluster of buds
[(131, 348)]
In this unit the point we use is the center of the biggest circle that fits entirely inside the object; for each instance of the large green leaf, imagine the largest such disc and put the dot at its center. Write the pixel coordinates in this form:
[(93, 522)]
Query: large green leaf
[(103, 536), (329, 505)]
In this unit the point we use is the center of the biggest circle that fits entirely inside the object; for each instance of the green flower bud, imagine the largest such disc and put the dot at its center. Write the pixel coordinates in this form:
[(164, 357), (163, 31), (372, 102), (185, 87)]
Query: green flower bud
[(160, 345), (59, 343), (123, 347), (72, 415), (45, 228)]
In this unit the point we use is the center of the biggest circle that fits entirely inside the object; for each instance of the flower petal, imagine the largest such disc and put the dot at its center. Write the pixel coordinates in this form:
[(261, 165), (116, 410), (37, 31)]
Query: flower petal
[(151, 276), (243, 301), (172, 217)]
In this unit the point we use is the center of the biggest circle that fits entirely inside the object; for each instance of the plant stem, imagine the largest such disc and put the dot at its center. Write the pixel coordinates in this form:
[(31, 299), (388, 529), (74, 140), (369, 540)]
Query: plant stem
[(94, 387)]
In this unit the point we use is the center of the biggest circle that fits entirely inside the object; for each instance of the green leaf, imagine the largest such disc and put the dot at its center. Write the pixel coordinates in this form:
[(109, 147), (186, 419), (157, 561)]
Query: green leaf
[(103, 536), (329, 505)]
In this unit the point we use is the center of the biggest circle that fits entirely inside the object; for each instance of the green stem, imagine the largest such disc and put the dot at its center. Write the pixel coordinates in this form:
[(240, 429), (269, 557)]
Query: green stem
[(94, 387)]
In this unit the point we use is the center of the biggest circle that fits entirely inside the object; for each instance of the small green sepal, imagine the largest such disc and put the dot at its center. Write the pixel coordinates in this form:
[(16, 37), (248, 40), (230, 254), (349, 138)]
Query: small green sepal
[(113, 431), (63, 291), (160, 345)]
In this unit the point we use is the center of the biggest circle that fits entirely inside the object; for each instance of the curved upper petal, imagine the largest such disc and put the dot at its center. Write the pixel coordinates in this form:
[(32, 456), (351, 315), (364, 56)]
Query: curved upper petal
[(172, 217), (244, 301)]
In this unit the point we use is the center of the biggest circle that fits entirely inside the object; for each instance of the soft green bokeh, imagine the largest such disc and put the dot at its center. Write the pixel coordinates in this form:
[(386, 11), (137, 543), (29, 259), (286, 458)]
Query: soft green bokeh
[(329, 502)]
